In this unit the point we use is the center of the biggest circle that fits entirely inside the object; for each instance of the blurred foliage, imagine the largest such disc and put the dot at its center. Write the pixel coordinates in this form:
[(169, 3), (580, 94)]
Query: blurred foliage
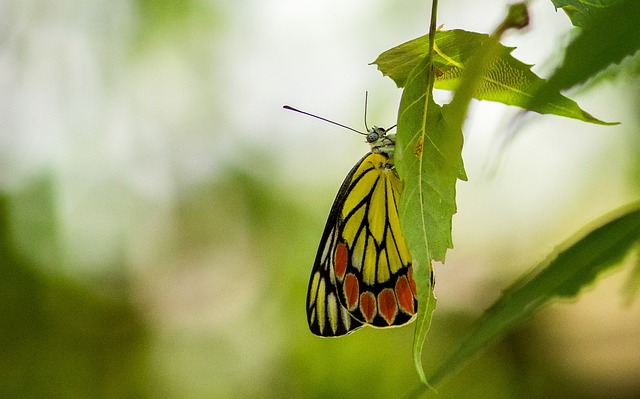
[(564, 275), (60, 338), (609, 33)]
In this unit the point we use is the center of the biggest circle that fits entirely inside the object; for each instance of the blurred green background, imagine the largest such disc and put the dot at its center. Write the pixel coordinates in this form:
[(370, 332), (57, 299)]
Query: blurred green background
[(160, 212)]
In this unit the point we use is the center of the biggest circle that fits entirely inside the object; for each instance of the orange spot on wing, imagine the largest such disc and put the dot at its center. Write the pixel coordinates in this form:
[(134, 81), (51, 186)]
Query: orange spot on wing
[(368, 306), (341, 260), (351, 290), (387, 305), (405, 296)]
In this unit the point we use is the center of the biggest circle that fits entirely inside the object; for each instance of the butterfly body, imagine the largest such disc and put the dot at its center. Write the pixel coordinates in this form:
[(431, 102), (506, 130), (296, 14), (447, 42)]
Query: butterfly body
[(362, 272)]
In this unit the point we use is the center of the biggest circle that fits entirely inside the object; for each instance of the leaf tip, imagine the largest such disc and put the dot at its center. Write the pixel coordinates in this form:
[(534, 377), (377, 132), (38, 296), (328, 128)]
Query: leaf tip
[(592, 119)]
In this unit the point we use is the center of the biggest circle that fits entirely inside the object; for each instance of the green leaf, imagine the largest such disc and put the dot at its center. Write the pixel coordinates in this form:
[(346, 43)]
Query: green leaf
[(506, 79), (607, 37), (580, 11), (428, 159), (565, 274), (427, 300)]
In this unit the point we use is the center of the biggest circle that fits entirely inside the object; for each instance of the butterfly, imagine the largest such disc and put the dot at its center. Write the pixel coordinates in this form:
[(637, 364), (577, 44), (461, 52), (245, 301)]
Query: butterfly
[(362, 272)]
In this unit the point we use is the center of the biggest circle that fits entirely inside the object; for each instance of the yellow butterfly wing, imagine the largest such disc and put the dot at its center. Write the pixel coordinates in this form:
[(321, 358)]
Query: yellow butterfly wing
[(362, 272)]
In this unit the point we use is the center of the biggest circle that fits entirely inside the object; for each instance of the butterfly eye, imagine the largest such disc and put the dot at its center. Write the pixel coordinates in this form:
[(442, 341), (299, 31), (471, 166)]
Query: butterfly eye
[(375, 134)]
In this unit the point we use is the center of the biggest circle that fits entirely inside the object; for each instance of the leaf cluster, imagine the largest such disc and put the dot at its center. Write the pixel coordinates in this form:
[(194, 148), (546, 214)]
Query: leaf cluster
[(430, 140)]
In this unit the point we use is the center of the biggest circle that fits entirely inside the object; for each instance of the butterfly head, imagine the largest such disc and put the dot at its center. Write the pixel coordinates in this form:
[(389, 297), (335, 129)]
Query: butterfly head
[(380, 142)]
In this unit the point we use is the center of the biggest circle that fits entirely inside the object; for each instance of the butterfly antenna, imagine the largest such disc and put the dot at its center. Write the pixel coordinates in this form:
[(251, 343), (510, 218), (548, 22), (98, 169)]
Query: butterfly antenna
[(323, 119), (366, 95)]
